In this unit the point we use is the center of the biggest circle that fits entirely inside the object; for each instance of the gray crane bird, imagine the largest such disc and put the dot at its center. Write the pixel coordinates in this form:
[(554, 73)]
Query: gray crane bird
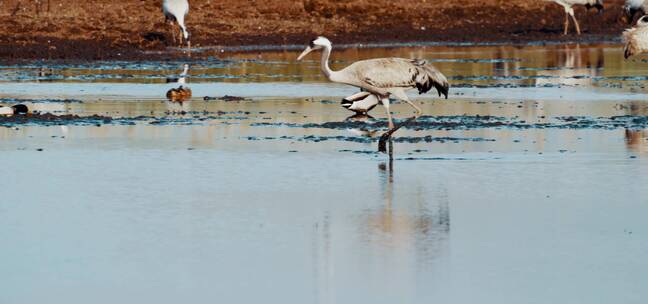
[(633, 8), (176, 11), (569, 10), (384, 78), (636, 38)]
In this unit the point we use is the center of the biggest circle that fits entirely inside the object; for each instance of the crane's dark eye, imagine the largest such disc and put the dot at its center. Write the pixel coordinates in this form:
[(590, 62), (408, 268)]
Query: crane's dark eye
[(312, 43)]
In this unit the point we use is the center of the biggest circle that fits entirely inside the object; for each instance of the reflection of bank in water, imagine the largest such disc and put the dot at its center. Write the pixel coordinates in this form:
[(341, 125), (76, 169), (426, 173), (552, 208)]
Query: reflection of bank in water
[(572, 66)]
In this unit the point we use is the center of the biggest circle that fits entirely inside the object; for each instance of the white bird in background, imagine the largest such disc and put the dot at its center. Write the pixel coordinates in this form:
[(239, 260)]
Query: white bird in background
[(569, 10), (383, 77), (176, 11), (636, 38), (633, 7), (13, 110)]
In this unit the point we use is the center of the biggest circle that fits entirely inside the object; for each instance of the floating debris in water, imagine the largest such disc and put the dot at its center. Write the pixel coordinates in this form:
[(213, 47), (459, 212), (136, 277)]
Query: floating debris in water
[(225, 98), (46, 100), (47, 119), (469, 122)]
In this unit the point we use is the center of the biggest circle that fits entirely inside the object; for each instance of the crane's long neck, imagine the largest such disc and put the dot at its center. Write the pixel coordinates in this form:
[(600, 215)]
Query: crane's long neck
[(325, 63)]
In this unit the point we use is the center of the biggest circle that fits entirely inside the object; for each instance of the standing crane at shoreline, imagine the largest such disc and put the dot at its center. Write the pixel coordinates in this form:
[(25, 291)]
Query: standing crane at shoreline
[(569, 10), (175, 11)]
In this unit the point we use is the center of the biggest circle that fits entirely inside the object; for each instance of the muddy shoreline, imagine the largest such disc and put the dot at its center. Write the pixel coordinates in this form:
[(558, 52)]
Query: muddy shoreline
[(135, 30)]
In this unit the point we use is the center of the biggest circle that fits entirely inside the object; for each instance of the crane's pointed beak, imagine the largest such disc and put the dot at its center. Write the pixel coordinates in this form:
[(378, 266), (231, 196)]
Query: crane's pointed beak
[(304, 53)]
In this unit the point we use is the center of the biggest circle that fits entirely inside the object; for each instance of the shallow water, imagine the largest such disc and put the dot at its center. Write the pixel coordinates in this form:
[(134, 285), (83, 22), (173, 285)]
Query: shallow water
[(526, 185)]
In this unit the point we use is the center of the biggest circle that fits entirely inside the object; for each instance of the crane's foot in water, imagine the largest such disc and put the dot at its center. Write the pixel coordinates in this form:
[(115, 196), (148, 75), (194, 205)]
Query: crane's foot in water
[(386, 137)]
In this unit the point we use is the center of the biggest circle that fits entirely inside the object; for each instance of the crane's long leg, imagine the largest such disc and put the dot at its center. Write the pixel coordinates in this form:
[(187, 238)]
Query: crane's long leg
[(566, 23), (173, 34), (385, 102), (575, 22), (402, 96), (386, 137), (382, 143)]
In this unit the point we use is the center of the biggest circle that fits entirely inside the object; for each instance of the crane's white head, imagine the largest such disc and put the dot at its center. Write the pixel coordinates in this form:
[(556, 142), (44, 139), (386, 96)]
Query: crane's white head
[(316, 44)]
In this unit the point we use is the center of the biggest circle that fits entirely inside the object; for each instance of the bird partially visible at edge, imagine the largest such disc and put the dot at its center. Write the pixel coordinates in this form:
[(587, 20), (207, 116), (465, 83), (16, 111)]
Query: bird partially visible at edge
[(636, 38)]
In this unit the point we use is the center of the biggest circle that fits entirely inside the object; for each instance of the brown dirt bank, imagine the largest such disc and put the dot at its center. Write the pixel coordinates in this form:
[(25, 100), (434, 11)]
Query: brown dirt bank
[(103, 29)]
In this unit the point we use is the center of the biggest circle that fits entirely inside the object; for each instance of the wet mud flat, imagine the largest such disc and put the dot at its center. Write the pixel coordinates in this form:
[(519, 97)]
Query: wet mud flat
[(135, 30)]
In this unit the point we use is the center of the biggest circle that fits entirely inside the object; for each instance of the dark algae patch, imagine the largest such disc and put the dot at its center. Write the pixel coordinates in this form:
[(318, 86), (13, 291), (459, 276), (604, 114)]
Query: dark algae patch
[(21, 100), (469, 122), (48, 119), (225, 98), (367, 140), (456, 122)]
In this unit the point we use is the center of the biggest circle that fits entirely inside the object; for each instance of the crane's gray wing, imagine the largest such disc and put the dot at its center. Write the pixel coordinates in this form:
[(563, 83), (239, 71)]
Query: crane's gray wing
[(387, 73)]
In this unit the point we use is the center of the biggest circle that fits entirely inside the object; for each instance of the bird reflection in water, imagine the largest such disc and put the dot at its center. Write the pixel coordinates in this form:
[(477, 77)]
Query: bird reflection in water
[(182, 79), (401, 232), (637, 140), (421, 227), (361, 131), (361, 103), (182, 93)]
